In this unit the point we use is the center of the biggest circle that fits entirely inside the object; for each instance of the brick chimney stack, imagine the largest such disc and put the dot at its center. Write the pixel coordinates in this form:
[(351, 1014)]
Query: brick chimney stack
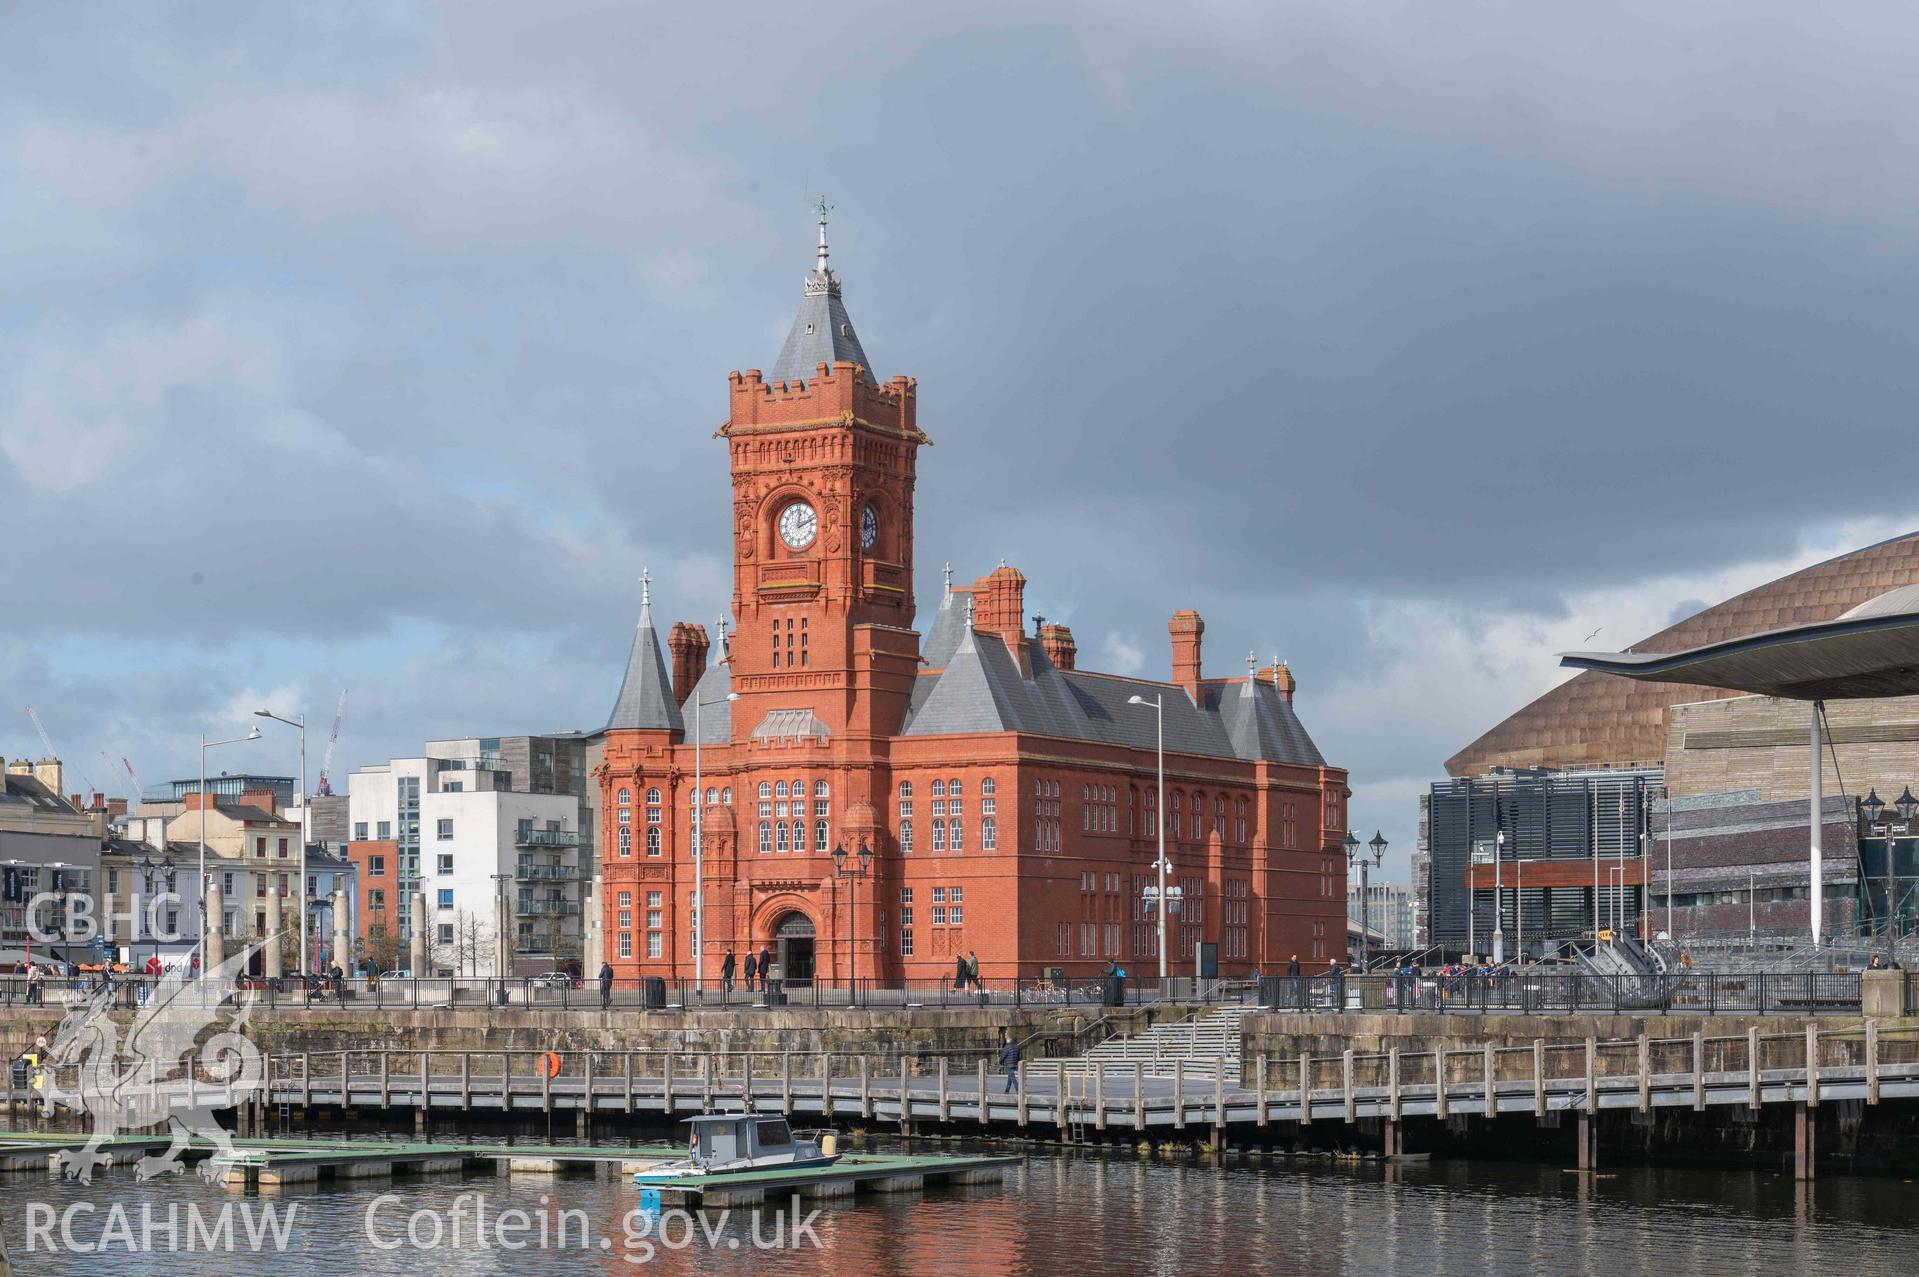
[(1187, 630), (1057, 642), (1283, 680), (688, 645), (999, 602)]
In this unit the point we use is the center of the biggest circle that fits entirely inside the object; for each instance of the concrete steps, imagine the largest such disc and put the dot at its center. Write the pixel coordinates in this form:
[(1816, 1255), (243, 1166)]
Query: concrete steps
[(1200, 1045)]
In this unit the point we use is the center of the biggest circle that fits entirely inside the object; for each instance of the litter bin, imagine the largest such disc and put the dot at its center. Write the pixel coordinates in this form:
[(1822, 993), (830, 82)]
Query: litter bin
[(1114, 992), (775, 993), (653, 993), (20, 1074)]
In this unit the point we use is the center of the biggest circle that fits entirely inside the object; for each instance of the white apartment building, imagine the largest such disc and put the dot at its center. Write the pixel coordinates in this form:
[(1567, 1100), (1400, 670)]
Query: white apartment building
[(1391, 911), (450, 824)]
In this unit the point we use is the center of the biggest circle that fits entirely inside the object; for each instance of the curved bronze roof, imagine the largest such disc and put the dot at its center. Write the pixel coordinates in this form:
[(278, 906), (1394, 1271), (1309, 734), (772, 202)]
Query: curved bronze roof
[(1595, 720)]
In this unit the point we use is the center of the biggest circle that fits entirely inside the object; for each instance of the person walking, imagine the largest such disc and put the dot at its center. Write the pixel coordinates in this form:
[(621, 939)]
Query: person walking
[(959, 973), (1009, 1057), (726, 972), (766, 968), (752, 968), (972, 971), (36, 985), (606, 985), (1298, 988)]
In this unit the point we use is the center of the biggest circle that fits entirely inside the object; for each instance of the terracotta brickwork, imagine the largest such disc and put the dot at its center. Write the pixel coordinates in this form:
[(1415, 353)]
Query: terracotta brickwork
[(1026, 849)]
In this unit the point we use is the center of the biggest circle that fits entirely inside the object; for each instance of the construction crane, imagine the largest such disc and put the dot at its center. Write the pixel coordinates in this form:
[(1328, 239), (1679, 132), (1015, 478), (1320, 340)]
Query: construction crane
[(47, 741), (333, 738)]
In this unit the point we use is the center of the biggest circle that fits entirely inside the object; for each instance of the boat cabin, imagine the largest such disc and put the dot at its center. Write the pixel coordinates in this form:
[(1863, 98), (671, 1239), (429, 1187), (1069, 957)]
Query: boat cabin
[(746, 1140)]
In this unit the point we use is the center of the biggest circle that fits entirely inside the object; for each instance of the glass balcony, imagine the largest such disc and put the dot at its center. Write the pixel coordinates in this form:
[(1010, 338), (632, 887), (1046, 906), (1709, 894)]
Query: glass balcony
[(546, 837), (546, 873), (547, 908)]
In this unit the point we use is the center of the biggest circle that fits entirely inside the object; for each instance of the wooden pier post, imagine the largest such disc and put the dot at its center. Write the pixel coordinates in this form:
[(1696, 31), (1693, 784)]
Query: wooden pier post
[(982, 1091), (1872, 1061), (1588, 1136), (1305, 1090), (1645, 1074), (1812, 1066), (666, 1083), (546, 1090), (945, 1109), (1260, 1076), (1389, 1138), (1592, 1075), (1346, 1083), (826, 1084), (1179, 1095), (584, 1122), (1099, 1095), (1059, 1107), (866, 1088), (1219, 1099), (1539, 1078), (1752, 1068), (1805, 1131), (1019, 1076), (1139, 1095), (706, 1081), (306, 1080), (1698, 1070), (786, 1082), (383, 1082), (1492, 1083), (1442, 1109), (1392, 1085), (466, 1080), (506, 1081)]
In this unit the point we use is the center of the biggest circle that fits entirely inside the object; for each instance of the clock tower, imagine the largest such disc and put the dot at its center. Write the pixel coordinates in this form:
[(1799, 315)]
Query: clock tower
[(823, 459)]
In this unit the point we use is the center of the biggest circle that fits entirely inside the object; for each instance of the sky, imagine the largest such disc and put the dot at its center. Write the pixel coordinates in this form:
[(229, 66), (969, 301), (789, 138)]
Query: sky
[(381, 346)]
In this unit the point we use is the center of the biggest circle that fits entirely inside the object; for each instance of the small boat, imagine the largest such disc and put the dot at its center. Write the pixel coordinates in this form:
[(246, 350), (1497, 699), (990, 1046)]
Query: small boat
[(727, 1143)]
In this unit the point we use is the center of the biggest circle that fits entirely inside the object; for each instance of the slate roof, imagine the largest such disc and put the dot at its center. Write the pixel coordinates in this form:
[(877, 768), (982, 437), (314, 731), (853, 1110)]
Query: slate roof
[(822, 333), (646, 696), (715, 720), (943, 636), (980, 689), (26, 791)]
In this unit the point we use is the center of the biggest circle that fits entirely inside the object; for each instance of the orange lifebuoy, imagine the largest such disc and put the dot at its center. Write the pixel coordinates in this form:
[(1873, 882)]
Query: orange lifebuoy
[(550, 1064)]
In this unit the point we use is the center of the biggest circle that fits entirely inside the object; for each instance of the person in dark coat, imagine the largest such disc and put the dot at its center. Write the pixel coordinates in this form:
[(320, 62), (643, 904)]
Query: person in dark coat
[(1009, 1058), (752, 967), (606, 985), (959, 974), (766, 966), (726, 971), (1297, 985)]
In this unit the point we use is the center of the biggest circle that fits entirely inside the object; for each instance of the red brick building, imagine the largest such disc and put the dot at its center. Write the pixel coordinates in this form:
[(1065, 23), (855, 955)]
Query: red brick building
[(1009, 797)]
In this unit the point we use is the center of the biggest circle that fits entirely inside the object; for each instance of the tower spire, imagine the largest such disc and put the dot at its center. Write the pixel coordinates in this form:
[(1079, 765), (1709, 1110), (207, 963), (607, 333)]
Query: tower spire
[(646, 595), (821, 269)]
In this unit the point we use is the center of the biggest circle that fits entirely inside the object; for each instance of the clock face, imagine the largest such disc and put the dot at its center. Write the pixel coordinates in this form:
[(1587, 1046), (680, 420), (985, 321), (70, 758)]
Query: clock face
[(799, 525), (869, 528)]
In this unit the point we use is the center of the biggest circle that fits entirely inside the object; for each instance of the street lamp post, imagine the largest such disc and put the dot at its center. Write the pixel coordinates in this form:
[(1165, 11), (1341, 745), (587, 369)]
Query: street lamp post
[(1499, 891), (205, 745), (1159, 812), (1377, 846), (300, 893), (852, 877), (147, 869), (699, 850)]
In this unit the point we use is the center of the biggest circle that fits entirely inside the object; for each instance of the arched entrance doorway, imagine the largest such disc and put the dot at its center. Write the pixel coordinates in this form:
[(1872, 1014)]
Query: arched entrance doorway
[(793, 946)]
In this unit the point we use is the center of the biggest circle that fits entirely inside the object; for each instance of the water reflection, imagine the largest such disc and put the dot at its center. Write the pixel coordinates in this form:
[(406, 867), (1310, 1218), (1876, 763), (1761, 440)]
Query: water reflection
[(1086, 1215)]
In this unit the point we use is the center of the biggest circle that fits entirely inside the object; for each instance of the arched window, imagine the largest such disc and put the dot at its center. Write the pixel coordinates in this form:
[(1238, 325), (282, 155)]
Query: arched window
[(953, 787), (626, 841), (652, 840), (694, 798), (779, 832), (626, 796), (819, 835), (939, 789), (906, 835), (1239, 821), (939, 836), (799, 836), (779, 790), (1219, 814), (766, 790), (988, 786), (652, 795), (988, 834), (820, 790), (712, 796), (954, 842), (766, 836), (799, 789), (1086, 793), (726, 796), (906, 789)]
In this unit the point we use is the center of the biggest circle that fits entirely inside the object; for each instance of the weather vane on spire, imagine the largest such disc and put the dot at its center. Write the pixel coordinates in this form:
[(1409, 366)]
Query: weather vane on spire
[(646, 587), (824, 208), (822, 281)]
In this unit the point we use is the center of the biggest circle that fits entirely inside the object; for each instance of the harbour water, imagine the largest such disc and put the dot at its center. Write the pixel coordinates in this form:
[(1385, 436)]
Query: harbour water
[(1073, 1214)]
